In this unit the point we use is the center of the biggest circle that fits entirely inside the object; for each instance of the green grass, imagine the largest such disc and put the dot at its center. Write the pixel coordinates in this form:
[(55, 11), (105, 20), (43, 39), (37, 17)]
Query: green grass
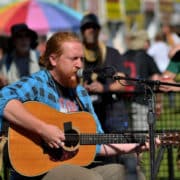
[(169, 120)]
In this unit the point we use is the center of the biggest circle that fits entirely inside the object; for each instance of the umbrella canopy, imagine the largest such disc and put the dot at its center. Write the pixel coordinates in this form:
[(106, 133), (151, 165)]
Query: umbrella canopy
[(41, 16)]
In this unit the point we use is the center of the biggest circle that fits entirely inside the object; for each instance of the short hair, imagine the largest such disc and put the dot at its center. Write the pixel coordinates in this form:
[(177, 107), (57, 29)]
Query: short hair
[(54, 45)]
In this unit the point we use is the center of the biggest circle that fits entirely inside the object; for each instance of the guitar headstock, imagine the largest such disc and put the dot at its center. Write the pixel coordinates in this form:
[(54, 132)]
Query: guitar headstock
[(170, 138)]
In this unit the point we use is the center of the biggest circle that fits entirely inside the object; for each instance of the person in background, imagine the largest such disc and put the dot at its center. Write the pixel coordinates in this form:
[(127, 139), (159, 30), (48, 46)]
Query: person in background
[(173, 69), (3, 46), (57, 86), (139, 65), (159, 50), (21, 58), (105, 93), (103, 89), (41, 44), (172, 39), (170, 36), (3, 50)]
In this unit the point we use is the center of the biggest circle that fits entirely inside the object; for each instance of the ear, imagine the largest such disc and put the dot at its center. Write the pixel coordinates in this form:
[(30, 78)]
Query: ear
[(52, 59)]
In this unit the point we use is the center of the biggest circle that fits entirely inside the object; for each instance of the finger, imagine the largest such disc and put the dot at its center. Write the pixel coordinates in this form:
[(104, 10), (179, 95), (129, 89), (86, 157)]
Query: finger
[(50, 145), (56, 145), (60, 143)]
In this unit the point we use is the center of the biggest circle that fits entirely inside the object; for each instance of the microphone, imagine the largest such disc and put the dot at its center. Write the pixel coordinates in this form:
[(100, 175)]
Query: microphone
[(106, 72), (81, 73)]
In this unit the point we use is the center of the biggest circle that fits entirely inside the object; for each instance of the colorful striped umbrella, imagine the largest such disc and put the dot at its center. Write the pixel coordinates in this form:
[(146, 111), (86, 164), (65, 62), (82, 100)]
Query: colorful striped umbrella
[(41, 16)]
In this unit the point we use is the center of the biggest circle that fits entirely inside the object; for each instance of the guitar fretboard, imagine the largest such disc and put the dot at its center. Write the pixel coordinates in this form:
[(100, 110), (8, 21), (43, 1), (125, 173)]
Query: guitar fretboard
[(92, 139)]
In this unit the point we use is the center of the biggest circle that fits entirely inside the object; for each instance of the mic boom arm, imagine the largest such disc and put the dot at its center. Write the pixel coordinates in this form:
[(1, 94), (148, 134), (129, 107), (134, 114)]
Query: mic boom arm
[(145, 81)]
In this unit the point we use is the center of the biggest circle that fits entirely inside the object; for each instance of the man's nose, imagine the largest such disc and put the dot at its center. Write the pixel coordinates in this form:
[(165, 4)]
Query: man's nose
[(79, 63)]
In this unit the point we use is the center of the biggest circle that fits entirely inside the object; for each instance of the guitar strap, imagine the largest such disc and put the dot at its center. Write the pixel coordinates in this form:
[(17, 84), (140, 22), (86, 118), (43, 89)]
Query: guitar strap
[(82, 108), (81, 105)]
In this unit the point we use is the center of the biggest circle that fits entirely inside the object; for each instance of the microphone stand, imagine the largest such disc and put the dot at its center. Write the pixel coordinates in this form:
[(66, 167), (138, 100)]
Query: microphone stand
[(151, 122), (149, 85)]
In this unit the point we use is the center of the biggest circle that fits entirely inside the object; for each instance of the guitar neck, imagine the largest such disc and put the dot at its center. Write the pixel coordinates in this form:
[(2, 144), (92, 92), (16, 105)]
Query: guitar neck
[(93, 139)]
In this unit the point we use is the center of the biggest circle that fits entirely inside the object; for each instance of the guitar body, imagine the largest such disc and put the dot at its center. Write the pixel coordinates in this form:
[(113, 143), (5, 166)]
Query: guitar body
[(26, 152)]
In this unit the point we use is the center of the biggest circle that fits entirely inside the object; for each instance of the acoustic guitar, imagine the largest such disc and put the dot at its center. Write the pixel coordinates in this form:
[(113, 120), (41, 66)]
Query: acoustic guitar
[(30, 156)]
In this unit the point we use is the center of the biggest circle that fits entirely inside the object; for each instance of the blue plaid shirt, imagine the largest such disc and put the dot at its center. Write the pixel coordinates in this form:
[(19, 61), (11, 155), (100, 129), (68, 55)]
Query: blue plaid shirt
[(41, 87)]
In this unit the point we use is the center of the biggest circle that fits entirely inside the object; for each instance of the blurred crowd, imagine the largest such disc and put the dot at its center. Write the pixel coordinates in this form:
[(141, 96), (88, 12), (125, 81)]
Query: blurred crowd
[(23, 42), (157, 60)]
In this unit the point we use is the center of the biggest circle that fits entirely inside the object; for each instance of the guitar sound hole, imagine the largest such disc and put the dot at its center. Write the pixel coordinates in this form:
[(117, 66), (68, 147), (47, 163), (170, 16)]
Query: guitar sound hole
[(72, 138)]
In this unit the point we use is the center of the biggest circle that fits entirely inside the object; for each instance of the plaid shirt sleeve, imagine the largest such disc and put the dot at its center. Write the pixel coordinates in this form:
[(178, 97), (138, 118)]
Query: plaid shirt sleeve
[(22, 90), (32, 88)]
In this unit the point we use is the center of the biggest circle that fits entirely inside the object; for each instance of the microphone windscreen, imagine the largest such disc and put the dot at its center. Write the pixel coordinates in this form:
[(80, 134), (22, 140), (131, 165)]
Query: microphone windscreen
[(80, 73)]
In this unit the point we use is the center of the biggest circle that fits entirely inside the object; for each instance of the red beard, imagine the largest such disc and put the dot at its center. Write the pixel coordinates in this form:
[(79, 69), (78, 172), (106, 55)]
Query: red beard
[(73, 81)]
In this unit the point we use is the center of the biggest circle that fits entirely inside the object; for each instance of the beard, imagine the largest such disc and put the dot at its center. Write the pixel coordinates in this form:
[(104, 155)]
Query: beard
[(67, 80), (74, 81), (70, 82)]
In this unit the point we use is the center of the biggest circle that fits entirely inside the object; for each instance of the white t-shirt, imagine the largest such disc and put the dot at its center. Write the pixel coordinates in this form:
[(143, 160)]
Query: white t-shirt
[(159, 51)]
